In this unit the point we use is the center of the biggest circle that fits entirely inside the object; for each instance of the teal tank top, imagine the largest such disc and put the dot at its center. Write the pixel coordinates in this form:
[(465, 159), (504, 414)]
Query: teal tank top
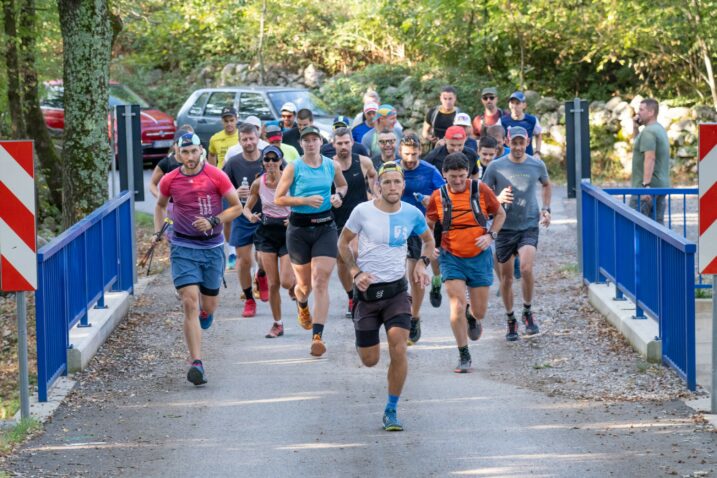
[(309, 181)]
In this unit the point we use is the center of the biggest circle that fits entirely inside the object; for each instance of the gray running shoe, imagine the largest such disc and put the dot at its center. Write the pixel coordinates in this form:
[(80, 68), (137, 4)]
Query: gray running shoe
[(512, 334), (531, 327), (475, 327), (415, 334), (464, 365)]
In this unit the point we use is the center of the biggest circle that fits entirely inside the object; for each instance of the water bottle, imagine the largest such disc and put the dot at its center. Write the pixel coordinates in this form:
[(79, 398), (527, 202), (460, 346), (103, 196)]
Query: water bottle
[(418, 197), (244, 183)]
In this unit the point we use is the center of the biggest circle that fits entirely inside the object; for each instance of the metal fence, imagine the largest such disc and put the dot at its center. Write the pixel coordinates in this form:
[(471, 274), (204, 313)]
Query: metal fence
[(648, 263), (74, 272)]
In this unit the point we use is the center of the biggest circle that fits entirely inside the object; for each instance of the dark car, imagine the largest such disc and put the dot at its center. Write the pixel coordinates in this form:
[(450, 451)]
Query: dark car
[(202, 110), (157, 127)]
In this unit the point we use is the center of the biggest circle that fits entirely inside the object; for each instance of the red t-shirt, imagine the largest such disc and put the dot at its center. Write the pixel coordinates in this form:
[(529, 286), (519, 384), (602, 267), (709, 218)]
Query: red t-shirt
[(199, 195), (485, 120)]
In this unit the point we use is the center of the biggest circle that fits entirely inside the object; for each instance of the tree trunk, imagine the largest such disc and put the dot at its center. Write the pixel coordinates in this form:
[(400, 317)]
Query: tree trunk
[(262, 73), (695, 15), (87, 39), (14, 98), (48, 159)]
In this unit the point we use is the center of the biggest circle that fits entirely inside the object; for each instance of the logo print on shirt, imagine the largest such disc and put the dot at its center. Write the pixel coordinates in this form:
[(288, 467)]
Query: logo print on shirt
[(205, 205), (400, 232)]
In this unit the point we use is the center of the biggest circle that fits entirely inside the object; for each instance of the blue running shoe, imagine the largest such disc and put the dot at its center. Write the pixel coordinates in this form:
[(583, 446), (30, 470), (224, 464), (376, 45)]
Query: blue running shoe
[(205, 320), (390, 421), (196, 373), (232, 262)]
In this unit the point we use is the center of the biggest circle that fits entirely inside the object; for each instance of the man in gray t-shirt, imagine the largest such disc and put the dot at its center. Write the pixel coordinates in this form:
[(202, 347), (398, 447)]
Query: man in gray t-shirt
[(520, 173)]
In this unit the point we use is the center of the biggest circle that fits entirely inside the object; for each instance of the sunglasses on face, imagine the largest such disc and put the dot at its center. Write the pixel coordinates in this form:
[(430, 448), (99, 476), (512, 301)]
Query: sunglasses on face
[(272, 159), (290, 115), (386, 141), (491, 98)]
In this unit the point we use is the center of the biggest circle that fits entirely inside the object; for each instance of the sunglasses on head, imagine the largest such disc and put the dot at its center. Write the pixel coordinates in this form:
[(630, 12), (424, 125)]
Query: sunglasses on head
[(272, 159), (489, 97), (410, 141)]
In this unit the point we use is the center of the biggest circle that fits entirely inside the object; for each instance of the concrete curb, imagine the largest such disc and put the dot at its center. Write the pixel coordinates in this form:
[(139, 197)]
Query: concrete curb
[(41, 411), (642, 334)]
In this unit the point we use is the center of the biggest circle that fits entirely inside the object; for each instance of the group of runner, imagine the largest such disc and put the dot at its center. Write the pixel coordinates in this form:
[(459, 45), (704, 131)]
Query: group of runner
[(385, 219)]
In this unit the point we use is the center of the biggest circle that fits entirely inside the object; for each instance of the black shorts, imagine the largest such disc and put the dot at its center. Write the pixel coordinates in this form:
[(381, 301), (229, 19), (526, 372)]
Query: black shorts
[(368, 317), (415, 244), (508, 242), (271, 239), (305, 243)]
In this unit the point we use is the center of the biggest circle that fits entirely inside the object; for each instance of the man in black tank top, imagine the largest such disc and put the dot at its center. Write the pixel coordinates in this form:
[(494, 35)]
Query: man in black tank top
[(360, 176)]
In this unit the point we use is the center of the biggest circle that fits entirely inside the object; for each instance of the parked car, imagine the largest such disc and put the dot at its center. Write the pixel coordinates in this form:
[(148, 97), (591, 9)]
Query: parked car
[(202, 110), (157, 127)]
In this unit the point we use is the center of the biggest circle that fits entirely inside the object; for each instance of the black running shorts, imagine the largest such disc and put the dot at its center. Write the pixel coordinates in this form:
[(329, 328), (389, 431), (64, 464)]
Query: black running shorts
[(271, 239), (305, 243), (368, 317), (508, 242)]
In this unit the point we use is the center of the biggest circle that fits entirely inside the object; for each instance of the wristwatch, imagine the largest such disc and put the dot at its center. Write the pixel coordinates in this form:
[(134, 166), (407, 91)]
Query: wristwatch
[(546, 209), (214, 221), (493, 235), (645, 185), (425, 260)]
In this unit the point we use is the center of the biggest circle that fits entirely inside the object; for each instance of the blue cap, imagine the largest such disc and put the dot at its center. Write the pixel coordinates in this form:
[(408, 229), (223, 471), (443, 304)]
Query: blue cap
[(272, 149), (188, 139), (518, 95), (341, 121), (516, 132)]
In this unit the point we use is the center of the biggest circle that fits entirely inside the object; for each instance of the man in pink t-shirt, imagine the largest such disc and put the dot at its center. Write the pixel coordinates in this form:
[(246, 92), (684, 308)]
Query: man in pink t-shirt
[(197, 251)]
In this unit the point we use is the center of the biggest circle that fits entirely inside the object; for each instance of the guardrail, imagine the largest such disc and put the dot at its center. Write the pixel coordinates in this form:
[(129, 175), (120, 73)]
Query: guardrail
[(651, 265), (74, 272)]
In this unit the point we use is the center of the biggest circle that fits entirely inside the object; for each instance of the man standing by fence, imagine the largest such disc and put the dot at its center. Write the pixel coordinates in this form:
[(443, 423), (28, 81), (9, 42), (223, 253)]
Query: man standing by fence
[(650, 160), (197, 251)]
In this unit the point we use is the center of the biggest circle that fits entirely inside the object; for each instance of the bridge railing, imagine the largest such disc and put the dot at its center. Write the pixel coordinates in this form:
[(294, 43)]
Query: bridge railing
[(74, 272), (648, 263)]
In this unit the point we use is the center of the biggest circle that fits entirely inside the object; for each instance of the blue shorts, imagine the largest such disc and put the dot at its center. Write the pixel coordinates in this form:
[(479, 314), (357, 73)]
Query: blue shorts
[(242, 232), (475, 271), (202, 267)]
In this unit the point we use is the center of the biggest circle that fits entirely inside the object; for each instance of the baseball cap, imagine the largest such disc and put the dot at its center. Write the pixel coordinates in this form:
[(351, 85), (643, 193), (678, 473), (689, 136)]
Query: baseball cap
[(389, 166), (370, 107), (273, 132), (289, 106), (179, 133), (229, 111), (272, 149), (341, 121), (462, 119), (518, 95), (253, 120), (489, 91), (310, 130), (455, 132), (516, 132), (188, 139), (385, 110)]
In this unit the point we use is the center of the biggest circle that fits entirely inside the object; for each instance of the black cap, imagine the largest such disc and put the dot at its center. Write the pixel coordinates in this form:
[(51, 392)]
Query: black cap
[(229, 111), (310, 130)]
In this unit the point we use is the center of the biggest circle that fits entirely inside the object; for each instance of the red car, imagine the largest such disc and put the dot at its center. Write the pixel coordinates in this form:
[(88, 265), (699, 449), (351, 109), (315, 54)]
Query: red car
[(157, 127)]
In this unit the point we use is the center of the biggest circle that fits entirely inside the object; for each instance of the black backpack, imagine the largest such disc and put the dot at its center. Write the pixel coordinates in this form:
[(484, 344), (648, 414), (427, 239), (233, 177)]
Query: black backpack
[(475, 207)]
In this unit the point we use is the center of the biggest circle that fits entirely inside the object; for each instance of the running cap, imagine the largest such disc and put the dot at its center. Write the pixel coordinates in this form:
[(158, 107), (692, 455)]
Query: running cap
[(462, 119), (371, 106), (179, 133), (289, 106), (272, 150), (229, 111), (341, 121), (273, 132), (489, 91), (385, 110), (518, 95), (310, 130), (516, 132), (389, 166), (253, 120), (188, 139), (455, 132)]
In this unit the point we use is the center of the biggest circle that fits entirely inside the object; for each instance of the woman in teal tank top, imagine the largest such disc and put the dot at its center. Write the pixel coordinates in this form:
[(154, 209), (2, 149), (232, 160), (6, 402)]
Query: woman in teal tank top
[(311, 236)]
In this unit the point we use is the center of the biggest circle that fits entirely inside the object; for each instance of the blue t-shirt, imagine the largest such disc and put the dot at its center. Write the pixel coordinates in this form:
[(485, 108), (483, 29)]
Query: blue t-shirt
[(382, 238), (309, 181), (471, 143), (528, 122), (358, 131), (424, 179)]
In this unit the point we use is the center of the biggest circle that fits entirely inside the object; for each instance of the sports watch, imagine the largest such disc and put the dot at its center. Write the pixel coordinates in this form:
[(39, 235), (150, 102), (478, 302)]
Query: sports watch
[(493, 235), (426, 260)]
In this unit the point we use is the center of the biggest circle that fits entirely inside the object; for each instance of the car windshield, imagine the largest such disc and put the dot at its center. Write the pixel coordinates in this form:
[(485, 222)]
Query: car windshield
[(301, 98), (119, 95)]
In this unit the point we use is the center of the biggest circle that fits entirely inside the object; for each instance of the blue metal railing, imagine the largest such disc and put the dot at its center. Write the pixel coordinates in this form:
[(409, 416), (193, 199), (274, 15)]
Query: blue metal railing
[(648, 263), (74, 272)]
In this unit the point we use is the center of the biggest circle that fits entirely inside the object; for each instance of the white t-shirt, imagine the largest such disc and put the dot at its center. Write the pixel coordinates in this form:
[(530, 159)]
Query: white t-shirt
[(237, 149), (382, 238)]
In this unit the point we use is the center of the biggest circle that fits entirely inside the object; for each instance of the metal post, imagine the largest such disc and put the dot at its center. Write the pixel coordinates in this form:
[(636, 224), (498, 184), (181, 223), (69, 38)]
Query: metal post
[(577, 110), (113, 155), (713, 395), (130, 184), (22, 355)]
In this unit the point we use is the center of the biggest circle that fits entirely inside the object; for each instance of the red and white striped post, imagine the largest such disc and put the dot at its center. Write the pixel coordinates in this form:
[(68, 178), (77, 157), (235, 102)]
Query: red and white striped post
[(707, 248), (18, 258)]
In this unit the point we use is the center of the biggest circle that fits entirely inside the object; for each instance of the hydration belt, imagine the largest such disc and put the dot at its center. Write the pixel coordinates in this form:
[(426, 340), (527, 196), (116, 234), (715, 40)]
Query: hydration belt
[(308, 220), (382, 290), (196, 238)]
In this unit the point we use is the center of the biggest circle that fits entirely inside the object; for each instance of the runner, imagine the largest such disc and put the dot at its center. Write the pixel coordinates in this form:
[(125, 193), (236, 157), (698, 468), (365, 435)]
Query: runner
[(421, 180), (383, 226), (270, 236), (519, 235), (311, 236), (358, 172), (463, 206), (221, 141), (242, 170), (197, 189)]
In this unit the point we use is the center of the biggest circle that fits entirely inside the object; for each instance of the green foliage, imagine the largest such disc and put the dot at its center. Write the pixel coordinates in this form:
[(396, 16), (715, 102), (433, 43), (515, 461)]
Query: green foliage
[(18, 433)]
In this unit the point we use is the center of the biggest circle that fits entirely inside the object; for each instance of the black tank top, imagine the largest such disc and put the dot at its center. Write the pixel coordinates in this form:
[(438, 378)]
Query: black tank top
[(356, 193)]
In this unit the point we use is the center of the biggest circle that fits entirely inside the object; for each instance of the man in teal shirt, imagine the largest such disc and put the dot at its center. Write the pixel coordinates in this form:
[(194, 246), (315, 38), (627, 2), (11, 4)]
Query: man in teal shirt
[(650, 160)]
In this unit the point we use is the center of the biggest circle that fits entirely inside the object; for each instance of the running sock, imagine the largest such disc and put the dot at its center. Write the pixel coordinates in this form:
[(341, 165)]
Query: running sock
[(392, 402), (318, 329), (303, 305), (197, 362), (511, 315), (350, 293), (463, 351), (260, 272), (248, 293), (436, 281), (526, 307)]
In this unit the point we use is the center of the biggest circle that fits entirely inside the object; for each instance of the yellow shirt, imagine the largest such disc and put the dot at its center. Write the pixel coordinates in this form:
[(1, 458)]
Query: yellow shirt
[(219, 144)]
